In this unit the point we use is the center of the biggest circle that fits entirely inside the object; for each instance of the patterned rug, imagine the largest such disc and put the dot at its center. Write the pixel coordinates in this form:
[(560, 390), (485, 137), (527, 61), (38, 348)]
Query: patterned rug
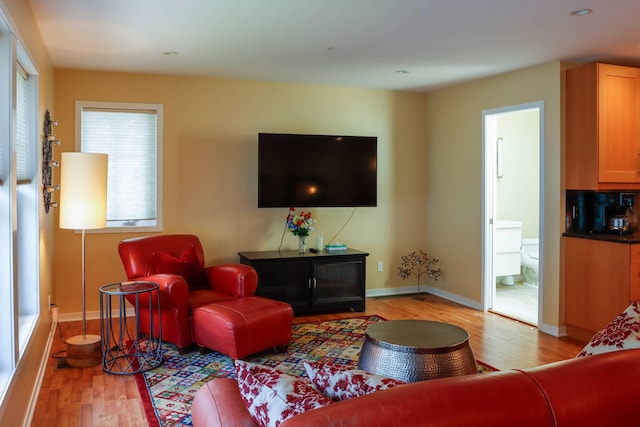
[(167, 391)]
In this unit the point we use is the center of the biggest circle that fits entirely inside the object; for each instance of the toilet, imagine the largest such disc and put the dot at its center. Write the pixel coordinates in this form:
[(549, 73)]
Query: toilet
[(529, 257)]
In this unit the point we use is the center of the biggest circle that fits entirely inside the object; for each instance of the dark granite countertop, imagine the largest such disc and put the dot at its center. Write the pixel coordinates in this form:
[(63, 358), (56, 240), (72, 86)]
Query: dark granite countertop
[(607, 237)]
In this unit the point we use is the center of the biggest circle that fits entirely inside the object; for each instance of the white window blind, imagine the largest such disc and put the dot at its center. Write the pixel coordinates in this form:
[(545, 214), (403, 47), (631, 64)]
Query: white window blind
[(129, 137), (23, 132)]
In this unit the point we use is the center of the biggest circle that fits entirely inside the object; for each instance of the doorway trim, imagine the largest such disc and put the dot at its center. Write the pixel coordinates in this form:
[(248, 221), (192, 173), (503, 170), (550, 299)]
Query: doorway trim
[(489, 170)]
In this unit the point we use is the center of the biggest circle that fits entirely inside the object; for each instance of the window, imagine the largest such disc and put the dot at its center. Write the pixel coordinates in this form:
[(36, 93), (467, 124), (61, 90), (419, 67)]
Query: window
[(131, 135), (8, 331), (28, 197), (24, 137), (20, 195)]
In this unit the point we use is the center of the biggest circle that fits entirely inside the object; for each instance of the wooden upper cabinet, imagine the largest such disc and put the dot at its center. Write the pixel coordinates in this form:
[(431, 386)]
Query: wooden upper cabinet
[(603, 127)]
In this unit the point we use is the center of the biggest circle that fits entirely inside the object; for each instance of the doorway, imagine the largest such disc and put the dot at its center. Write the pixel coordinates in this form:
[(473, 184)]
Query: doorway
[(512, 218)]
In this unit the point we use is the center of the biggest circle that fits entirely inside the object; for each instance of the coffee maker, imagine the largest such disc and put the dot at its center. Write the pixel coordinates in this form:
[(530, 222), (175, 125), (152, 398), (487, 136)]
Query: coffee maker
[(618, 219), (600, 212)]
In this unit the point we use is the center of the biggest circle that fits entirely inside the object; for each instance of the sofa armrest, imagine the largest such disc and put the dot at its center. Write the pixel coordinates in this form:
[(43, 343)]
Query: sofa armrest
[(597, 390), (174, 291), (218, 403), (237, 279)]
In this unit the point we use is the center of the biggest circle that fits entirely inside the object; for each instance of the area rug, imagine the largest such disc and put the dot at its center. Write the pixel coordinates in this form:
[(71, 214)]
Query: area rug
[(168, 390)]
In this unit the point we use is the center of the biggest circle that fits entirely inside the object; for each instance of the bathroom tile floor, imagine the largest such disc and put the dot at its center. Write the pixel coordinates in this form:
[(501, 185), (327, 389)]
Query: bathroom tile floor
[(519, 301)]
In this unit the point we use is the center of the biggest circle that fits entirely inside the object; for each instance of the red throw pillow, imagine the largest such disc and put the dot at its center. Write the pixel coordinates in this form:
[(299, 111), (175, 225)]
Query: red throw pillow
[(186, 265), (339, 382), (272, 397)]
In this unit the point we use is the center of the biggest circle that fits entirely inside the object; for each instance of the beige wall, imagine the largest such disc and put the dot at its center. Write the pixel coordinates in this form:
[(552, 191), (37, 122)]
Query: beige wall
[(429, 176), (453, 197), (210, 162), (15, 405), (429, 171), (518, 195)]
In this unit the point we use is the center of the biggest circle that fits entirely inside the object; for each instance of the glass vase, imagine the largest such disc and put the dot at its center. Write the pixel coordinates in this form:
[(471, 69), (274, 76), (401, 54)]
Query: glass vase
[(302, 247)]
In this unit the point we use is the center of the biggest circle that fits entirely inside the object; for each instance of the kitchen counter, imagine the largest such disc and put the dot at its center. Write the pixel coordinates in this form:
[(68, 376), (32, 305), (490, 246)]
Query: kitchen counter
[(607, 237)]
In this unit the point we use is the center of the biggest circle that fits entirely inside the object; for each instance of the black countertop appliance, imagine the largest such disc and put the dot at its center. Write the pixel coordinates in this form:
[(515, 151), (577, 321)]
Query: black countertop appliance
[(598, 212)]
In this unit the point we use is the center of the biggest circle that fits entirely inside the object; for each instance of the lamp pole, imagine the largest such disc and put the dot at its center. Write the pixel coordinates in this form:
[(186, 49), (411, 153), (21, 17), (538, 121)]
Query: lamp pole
[(83, 201)]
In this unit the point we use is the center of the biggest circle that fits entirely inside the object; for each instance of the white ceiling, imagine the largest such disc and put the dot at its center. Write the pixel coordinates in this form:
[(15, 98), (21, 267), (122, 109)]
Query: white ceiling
[(358, 43)]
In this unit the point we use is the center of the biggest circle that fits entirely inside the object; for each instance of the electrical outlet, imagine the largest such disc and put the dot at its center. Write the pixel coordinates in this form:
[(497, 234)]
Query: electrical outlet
[(626, 199), (380, 266)]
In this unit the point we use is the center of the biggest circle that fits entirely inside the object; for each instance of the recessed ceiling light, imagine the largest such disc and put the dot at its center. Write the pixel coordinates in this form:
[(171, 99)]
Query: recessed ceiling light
[(581, 12), (402, 72), (170, 53)]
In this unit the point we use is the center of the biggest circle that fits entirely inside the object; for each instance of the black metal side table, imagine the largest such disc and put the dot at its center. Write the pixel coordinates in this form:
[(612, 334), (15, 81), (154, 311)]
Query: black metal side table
[(126, 351)]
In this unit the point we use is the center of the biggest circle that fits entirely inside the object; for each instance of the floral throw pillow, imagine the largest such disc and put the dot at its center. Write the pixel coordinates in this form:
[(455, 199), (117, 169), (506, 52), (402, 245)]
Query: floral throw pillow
[(272, 397), (339, 382), (621, 334)]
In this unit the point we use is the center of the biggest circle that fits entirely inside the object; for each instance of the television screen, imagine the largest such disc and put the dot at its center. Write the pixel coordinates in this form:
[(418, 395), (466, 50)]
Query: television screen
[(316, 170)]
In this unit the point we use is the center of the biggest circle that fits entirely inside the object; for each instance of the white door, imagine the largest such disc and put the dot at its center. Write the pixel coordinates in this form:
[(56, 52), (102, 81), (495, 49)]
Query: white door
[(512, 193)]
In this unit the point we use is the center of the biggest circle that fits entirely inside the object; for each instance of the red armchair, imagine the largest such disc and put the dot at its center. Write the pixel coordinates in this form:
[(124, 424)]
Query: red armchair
[(176, 263)]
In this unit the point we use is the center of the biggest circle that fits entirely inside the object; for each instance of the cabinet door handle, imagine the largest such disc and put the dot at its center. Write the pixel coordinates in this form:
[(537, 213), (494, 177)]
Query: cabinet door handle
[(315, 283), (309, 282)]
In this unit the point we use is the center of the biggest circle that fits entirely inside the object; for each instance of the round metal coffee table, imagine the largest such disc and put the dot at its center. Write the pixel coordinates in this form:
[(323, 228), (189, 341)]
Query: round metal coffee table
[(416, 350)]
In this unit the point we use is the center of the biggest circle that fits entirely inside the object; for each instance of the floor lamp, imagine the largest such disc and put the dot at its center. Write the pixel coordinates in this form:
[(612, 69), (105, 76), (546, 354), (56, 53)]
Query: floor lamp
[(83, 206)]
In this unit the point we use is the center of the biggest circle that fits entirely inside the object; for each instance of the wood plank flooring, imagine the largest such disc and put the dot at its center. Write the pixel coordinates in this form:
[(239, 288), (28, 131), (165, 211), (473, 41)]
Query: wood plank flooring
[(87, 397)]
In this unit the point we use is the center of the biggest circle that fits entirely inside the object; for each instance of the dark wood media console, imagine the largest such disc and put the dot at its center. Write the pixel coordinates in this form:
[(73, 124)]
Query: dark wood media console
[(311, 282)]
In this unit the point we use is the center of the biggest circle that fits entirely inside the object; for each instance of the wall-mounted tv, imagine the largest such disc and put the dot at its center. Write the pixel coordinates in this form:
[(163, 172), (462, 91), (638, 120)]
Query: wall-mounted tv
[(316, 170)]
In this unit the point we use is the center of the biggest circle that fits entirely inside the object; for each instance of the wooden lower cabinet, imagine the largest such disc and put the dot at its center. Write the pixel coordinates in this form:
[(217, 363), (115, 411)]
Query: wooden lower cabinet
[(311, 282), (601, 279)]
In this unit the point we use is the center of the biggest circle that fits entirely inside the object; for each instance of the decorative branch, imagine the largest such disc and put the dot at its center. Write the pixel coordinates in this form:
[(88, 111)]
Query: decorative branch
[(419, 264)]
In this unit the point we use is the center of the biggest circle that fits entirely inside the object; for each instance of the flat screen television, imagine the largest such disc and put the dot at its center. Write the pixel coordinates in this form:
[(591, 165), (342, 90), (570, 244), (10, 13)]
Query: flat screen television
[(317, 170)]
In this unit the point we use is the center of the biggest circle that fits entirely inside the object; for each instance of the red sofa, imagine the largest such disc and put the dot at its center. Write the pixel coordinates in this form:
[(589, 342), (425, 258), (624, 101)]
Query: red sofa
[(159, 258), (599, 390)]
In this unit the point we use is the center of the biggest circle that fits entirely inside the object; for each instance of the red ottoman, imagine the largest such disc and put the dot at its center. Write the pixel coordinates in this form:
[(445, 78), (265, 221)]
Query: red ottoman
[(243, 326)]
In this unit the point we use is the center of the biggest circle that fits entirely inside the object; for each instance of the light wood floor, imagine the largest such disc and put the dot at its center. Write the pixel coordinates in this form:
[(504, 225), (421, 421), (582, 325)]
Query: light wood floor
[(89, 397)]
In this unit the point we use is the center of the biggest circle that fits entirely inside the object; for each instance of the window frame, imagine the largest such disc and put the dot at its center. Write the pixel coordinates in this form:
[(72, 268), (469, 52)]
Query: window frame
[(124, 106), (29, 198), (20, 203), (25, 174)]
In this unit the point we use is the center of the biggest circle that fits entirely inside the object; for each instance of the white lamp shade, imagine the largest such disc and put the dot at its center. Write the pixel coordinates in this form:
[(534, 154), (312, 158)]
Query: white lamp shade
[(83, 191)]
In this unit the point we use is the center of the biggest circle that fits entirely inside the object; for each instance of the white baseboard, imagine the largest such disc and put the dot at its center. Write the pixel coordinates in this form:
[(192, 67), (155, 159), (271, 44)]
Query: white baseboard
[(552, 330), (33, 402), (386, 292), (455, 298), (93, 315)]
